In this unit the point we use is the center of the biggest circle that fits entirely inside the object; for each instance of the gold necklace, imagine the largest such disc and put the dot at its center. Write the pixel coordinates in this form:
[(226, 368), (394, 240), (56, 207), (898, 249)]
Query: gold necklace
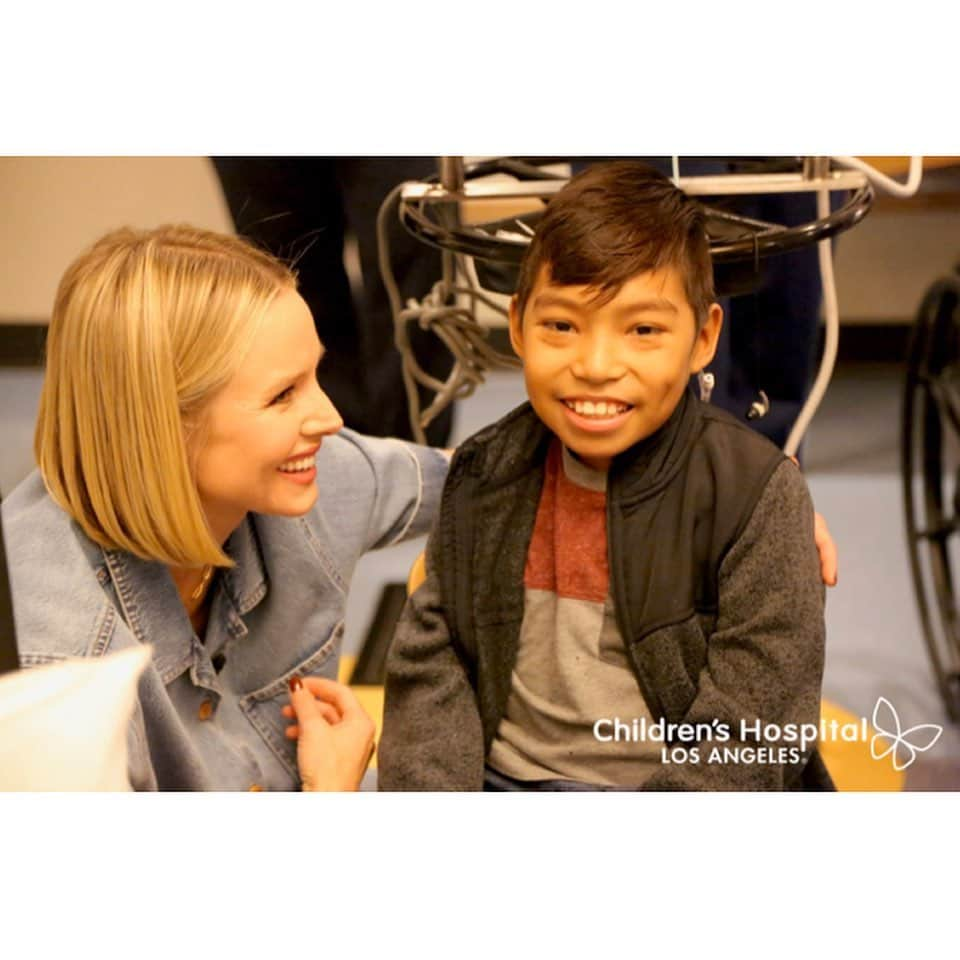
[(204, 580)]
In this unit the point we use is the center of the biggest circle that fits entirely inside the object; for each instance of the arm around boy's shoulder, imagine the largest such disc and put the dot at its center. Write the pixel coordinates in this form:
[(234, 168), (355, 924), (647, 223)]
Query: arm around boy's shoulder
[(765, 656), (432, 736), (378, 489)]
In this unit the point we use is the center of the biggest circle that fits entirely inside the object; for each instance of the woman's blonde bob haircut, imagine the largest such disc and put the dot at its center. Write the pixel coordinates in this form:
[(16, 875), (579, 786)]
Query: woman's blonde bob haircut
[(147, 326)]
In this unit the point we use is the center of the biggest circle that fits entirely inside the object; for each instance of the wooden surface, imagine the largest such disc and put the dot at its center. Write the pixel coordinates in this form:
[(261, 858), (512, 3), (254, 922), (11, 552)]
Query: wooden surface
[(898, 166), (370, 697)]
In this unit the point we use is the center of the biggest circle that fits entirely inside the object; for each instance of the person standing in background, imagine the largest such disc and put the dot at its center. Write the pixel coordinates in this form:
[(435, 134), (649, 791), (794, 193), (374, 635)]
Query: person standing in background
[(302, 209)]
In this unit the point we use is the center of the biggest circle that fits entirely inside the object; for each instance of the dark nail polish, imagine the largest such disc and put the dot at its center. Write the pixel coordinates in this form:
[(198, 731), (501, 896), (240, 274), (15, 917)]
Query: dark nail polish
[(295, 683)]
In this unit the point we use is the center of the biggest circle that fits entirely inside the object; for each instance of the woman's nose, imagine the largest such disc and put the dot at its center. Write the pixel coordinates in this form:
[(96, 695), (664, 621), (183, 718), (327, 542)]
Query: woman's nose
[(323, 418)]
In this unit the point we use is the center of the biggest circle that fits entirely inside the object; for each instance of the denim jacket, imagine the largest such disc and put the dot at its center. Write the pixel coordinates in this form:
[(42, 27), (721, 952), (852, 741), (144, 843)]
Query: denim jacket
[(208, 713)]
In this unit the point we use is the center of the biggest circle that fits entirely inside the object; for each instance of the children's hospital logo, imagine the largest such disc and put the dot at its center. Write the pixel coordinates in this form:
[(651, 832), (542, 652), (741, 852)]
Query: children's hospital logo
[(892, 740), (753, 741)]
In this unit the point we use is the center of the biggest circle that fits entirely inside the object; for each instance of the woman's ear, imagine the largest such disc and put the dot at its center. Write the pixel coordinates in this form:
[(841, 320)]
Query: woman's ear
[(705, 344)]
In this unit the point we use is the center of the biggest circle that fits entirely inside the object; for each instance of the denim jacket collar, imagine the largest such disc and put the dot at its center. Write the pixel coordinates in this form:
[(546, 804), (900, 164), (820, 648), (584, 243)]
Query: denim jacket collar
[(247, 581), (152, 607), (152, 610)]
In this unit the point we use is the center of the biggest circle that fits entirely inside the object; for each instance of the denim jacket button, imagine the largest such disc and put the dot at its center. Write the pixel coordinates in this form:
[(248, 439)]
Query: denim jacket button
[(206, 710)]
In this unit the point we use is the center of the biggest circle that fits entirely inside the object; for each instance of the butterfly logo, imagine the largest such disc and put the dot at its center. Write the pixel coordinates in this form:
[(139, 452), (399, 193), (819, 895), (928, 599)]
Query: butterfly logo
[(904, 745)]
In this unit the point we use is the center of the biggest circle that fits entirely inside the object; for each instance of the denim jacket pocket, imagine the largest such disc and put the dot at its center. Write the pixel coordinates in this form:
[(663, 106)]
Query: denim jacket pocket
[(262, 707)]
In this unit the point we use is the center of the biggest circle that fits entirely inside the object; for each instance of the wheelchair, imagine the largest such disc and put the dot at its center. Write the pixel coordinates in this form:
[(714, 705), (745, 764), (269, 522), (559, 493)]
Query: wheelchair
[(930, 469)]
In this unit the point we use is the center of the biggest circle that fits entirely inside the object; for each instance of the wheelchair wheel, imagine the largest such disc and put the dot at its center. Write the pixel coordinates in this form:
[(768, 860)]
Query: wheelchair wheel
[(930, 462)]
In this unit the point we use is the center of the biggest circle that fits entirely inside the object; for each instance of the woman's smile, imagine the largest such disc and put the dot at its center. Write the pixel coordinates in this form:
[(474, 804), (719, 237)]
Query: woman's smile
[(301, 470), (265, 427)]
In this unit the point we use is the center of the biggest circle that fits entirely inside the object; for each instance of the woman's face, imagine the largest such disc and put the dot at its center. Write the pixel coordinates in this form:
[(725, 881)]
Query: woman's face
[(262, 431)]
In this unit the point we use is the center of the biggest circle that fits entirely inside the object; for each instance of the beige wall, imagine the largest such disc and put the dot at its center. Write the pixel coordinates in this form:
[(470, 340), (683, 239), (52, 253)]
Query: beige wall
[(886, 263), (52, 207)]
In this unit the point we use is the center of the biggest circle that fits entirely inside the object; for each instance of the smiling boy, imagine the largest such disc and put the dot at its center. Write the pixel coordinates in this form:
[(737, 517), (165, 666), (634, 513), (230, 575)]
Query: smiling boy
[(614, 549)]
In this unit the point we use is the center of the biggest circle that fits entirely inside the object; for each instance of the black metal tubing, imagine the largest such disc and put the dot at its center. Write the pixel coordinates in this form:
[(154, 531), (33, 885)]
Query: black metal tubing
[(466, 240), (759, 240), (793, 238)]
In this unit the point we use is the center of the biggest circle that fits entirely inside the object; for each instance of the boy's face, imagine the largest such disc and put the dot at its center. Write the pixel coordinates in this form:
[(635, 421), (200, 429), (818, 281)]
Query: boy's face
[(604, 376)]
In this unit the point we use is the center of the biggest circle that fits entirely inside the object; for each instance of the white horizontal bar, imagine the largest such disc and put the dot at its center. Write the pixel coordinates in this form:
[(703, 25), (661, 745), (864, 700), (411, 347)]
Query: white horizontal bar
[(728, 184), (478, 190), (745, 183)]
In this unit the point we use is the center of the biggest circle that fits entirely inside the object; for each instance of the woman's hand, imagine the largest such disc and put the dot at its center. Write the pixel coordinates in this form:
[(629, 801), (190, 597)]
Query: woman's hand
[(334, 734), (827, 550), (825, 547)]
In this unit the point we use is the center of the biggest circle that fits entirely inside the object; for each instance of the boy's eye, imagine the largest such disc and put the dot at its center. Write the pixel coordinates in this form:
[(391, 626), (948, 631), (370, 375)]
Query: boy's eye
[(643, 330), (559, 326)]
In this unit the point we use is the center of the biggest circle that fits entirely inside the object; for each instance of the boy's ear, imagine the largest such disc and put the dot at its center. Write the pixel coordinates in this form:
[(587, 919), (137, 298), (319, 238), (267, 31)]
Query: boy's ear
[(516, 328), (705, 345)]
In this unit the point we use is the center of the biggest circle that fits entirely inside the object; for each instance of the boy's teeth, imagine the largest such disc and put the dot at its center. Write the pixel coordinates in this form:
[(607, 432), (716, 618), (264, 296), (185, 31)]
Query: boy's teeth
[(600, 408)]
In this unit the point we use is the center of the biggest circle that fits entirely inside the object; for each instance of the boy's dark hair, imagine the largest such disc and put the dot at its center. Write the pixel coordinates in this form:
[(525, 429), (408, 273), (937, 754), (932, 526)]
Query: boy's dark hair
[(616, 220)]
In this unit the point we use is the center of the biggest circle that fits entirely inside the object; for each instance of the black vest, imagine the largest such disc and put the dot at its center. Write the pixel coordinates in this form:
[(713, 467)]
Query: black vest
[(676, 502)]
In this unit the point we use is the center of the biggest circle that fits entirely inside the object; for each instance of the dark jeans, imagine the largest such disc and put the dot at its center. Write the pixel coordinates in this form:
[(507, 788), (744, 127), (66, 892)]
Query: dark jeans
[(495, 782)]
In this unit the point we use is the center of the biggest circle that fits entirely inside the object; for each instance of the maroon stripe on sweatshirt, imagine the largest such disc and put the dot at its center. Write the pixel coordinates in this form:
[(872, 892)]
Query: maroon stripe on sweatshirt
[(568, 550)]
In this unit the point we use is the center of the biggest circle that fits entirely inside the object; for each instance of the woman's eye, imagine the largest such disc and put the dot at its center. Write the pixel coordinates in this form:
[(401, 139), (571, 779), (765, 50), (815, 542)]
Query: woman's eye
[(283, 395)]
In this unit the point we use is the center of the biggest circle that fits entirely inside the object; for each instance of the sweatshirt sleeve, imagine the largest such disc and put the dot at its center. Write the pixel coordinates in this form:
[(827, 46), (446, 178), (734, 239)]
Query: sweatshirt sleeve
[(432, 735), (765, 656)]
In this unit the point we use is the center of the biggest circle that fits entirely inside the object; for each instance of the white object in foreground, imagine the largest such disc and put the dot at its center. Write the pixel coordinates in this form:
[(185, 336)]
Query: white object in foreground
[(64, 726)]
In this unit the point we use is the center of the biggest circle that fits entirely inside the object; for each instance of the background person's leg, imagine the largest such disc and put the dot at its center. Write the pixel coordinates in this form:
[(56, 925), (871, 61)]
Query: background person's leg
[(365, 183), (769, 340), (291, 207), (301, 209)]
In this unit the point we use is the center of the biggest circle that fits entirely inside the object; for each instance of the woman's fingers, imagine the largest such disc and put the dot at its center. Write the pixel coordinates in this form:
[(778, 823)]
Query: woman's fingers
[(305, 709), (329, 713), (330, 755), (827, 549), (337, 694), (317, 700), (304, 704)]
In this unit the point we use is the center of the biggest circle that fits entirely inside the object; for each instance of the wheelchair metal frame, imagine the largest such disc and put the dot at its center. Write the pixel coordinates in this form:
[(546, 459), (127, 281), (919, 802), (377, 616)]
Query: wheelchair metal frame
[(930, 470)]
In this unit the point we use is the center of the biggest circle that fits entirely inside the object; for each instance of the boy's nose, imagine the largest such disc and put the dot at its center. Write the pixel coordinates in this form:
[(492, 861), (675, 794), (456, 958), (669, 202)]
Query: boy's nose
[(598, 360)]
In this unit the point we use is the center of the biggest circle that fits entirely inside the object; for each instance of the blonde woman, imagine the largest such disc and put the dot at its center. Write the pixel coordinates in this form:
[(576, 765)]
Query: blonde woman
[(196, 492)]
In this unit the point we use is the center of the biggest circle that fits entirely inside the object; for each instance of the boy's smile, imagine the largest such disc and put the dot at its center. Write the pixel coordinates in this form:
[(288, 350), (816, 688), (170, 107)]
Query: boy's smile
[(596, 414), (605, 375)]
